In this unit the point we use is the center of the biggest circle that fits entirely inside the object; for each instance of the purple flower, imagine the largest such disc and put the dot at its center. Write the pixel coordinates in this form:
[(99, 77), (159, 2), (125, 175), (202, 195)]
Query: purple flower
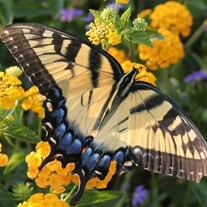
[(68, 14), (113, 5), (197, 75), (88, 18), (139, 195)]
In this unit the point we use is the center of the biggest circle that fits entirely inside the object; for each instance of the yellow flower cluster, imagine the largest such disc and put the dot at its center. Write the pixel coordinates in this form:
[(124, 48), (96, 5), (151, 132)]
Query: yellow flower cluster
[(143, 75), (169, 19), (172, 16), (3, 158), (164, 52), (41, 200), (11, 92), (103, 33), (53, 171), (33, 101)]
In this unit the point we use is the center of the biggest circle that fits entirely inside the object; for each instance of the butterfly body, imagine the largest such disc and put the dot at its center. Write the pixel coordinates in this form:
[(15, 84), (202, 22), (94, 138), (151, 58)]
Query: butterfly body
[(96, 114)]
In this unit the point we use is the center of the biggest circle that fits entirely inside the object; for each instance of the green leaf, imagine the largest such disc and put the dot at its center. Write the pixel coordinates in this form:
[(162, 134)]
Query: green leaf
[(19, 132), (6, 13), (95, 13), (4, 114), (14, 161), (5, 198), (137, 37), (125, 17), (100, 198), (154, 34)]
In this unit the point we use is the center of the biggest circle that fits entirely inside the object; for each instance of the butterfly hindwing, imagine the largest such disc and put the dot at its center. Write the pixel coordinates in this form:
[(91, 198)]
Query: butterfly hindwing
[(174, 146)]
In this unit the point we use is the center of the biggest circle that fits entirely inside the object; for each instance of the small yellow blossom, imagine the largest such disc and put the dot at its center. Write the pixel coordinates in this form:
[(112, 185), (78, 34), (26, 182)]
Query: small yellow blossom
[(103, 33), (41, 200), (33, 101), (3, 158), (163, 52), (172, 16), (143, 74), (113, 38), (34, 159), (123, 1), (10, 90)]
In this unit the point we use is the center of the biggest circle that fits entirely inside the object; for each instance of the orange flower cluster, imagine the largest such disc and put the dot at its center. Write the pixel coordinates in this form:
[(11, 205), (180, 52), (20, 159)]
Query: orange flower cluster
[(53, 171), (172, 16), (163, 52), (170, 19)]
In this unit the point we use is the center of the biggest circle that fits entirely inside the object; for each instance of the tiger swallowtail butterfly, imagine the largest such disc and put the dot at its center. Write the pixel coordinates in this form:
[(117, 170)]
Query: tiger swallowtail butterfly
[(92, 105)]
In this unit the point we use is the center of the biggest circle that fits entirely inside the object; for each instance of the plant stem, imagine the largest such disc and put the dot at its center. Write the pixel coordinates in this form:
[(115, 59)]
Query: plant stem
[(70, 193), (196, 34)]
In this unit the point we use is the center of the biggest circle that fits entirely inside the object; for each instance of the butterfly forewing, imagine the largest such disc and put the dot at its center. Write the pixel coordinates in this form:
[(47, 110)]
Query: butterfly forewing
[(50, 57)]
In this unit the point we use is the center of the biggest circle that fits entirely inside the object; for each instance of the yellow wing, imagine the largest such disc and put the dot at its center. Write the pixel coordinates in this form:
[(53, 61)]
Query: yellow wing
[(159, 136)]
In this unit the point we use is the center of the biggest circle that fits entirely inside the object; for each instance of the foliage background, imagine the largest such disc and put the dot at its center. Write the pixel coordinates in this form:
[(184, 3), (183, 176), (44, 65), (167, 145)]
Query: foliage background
[(192, 97)]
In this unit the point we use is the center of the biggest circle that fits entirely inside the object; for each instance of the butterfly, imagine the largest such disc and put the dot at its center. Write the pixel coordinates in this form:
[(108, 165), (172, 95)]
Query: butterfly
[(95, 113)]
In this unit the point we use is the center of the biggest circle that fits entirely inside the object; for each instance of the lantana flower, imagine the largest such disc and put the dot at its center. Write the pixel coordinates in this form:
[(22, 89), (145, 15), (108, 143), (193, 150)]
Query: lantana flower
[(3, 158), (40, 200), (33, 101), (164, 51), (11, 92), (172, 16), (56, 176), (103, 30)]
